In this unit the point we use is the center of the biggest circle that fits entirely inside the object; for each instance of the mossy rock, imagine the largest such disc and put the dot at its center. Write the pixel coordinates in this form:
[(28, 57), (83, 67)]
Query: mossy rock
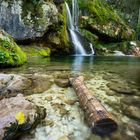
[(58, 38), (104, 21), (45, 53), (10, 53)]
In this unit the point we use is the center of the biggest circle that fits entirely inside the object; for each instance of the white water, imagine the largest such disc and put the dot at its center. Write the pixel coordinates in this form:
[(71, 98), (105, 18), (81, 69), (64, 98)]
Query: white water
[(71, 20), (69, 17), (75, 13), (91, 47), (77, 44), (73, 26)]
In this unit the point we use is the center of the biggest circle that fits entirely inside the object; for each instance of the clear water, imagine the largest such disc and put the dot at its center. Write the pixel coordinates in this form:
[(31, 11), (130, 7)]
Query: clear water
[(99, 71)]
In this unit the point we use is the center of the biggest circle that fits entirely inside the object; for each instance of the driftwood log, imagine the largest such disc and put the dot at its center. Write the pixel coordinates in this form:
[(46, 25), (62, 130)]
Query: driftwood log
[(99, 119)]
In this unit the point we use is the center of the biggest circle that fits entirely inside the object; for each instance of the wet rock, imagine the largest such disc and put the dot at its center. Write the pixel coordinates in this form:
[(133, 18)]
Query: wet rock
[(119, 88), (131, 100), (10, 127), (18, 83), (62, 82), (71, 102), (40, 83), (11, 83)]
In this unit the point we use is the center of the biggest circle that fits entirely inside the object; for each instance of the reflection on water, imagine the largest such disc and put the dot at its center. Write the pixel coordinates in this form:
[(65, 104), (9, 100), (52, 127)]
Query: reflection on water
[(79, 61)]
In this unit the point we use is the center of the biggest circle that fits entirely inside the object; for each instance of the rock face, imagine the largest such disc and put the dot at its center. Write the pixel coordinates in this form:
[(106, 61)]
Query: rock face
[(9, 125), (10, 53), (27, 19), (104, 22)]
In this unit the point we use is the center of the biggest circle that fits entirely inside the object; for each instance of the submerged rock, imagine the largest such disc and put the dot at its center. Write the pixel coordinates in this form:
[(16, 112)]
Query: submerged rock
[(62, 82), (40, 83), (119, 88), (131, 100), (132, 112), (12, 111)]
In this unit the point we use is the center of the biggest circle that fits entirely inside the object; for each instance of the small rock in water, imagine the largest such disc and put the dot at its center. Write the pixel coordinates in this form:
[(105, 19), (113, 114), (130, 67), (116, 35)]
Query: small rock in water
[(131, 101), (117, 87), (62, 82), (132, 112)]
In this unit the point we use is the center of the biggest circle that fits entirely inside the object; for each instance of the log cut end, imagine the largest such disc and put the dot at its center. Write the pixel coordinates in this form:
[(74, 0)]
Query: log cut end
[(104, 127)]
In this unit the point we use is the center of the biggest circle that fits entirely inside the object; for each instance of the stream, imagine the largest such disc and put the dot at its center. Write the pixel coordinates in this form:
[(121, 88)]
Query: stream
[(114, 80)]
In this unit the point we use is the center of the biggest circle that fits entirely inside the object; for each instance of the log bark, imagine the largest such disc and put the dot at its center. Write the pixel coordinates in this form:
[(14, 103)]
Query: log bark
[(99, 119)]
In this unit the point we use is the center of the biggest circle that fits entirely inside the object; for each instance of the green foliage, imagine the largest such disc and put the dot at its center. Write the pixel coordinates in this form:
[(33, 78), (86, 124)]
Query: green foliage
[(45, 53), (63, 27), (10, 53), (100, 10)]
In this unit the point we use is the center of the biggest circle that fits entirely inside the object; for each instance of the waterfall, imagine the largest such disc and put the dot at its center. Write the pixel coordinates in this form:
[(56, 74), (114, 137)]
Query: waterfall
[(73, 27), (91, 47)]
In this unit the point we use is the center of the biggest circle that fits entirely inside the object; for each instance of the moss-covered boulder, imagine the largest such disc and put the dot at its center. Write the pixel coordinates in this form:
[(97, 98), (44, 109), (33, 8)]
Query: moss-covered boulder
[(10, 52), (103, 21)]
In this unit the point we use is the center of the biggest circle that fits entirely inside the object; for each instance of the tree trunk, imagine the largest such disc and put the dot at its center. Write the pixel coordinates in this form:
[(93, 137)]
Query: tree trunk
[(99, 119)]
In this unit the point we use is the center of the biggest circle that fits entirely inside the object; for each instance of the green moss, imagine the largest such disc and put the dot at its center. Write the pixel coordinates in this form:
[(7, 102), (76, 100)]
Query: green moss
[(58, 37), (10, 53), (63, 35), (45, 53), (93, 38), (100, 10), (36, 50)]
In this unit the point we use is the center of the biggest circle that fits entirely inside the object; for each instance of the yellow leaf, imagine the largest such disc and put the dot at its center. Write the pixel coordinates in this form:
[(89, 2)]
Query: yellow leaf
[(20, 117)]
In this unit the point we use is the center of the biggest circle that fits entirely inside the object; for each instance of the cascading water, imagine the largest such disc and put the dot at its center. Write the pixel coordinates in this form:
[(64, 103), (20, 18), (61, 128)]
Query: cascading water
[(92, 50), (73, 28), (77, 44)]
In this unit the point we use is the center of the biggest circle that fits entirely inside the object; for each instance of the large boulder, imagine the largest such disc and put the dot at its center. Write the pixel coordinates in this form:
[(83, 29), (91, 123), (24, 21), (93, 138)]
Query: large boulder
[(10, 52), (17, 116), (103, 21), (27, 19)]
